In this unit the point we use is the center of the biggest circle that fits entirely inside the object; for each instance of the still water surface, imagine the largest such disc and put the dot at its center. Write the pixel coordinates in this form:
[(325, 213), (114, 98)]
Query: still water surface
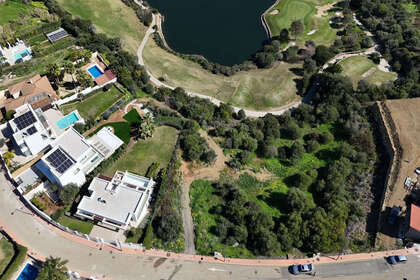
[(223, 31)]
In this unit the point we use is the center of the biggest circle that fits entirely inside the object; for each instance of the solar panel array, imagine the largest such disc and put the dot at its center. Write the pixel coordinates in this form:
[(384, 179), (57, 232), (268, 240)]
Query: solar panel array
[(59, 160), (57, 35), (25, 120), (31, 130)]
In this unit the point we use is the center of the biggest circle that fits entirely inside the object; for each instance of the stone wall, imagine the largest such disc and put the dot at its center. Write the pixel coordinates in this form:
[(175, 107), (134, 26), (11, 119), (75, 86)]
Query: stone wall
[(391, 141)]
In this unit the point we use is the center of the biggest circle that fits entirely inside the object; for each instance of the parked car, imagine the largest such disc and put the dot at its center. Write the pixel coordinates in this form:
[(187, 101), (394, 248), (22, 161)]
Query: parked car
[(301, 268), (417, 171), (393, 215), (397, 259)]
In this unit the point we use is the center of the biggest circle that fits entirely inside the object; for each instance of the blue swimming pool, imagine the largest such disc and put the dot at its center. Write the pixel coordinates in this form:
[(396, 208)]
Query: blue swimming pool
[(21, 54), (67, 120), (30, 272), (95, 71)]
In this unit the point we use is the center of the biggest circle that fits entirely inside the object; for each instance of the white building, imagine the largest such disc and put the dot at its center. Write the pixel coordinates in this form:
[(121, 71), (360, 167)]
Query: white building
[(73, 157), (15, 53), (119, 201), (31, 131)]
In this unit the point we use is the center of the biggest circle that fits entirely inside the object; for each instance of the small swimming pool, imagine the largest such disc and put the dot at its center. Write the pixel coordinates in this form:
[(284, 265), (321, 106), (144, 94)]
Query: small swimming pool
[(67, 120), (30, 272), (21, 54), (95, 71)]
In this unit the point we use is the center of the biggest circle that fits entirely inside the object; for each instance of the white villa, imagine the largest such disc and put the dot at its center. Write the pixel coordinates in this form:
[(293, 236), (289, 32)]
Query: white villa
[(119, 201), (73, 157), (16, 53), (34, 130)]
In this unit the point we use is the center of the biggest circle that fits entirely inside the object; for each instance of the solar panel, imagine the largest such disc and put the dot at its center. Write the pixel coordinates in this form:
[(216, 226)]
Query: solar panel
[(25, 120), (57, 35), (32, 130), (59, 160)]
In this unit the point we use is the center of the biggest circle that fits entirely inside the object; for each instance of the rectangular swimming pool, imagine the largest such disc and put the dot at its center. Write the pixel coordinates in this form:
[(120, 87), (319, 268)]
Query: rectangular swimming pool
[(95, 71), (67, 120), (21, 54), (29, 272)]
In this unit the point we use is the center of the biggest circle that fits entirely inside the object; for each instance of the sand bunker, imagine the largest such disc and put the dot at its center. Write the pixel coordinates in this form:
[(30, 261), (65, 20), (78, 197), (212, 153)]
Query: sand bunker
[(312, 32), (322, 11), (274, 12)]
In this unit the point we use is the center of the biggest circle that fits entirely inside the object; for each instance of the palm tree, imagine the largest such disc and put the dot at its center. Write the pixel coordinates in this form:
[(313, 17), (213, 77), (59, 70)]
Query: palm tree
[(144, 128), (53, 269), (69, 68), (55, 72), (83, 78), (8, 156)]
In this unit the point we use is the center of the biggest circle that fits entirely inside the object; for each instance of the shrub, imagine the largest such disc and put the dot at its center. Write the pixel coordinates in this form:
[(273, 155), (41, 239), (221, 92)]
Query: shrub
[(153, 170), (68, 193), (10, 114), (148, 237), (17, 260), (38, 204), (58, 214)]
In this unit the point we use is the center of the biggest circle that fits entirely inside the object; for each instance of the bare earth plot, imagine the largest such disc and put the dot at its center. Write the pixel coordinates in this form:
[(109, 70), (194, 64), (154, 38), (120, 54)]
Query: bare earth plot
[(405, 115), (256, 89), (111, 17)]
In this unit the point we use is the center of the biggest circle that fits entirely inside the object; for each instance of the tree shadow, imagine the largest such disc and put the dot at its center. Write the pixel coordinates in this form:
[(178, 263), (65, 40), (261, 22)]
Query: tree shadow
[(297, 71), (278, 201)]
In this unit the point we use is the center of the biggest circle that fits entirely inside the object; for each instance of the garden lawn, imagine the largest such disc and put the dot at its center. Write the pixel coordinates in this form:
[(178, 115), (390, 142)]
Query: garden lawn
[(6, 253), (111, 17), (286, 11), (11, 10), (256, 89), (94, 105), (132, 116), (356, 66), (76, 224), (142, 154)]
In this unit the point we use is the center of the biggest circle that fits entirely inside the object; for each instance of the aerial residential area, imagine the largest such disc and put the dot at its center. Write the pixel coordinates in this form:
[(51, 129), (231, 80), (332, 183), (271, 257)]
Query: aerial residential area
[(209, 139)]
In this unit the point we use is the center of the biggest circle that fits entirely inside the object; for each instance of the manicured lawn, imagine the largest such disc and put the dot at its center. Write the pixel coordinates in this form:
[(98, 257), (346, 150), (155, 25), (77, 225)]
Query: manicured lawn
[(6, 253), (94, 105), (139, 157), (121, 129), (355, 67), (132, 116), (286, 11), (111, 17), (11, 10), (256, 89), (76, 224)]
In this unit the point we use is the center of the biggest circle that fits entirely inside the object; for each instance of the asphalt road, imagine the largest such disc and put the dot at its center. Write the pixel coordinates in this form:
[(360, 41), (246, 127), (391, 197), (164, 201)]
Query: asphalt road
[(104, 264)]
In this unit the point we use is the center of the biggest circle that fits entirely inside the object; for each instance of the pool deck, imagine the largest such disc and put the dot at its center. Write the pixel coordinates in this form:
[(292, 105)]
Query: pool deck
[(9, 53)]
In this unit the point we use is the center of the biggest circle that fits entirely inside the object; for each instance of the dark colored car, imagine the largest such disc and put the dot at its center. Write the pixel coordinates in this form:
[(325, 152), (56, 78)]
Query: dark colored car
[(301, 268), (393, 215), (397, 259)]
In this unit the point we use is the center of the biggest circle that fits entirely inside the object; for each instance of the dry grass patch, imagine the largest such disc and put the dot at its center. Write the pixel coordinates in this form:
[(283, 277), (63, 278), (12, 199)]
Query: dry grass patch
[(256, 89)]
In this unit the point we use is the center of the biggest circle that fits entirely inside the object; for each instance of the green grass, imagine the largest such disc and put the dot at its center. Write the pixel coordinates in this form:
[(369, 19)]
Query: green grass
[(111, 17), (76, 224), (356, 66), (94, 105), (121, 129), (11, 10), (306, 10), (6, 253), (255, 89), (132, 116), (141, 155)]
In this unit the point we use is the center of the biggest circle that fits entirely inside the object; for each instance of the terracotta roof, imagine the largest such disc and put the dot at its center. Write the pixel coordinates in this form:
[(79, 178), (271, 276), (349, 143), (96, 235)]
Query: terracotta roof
[(36, 90), (415, 217), (106, 77)]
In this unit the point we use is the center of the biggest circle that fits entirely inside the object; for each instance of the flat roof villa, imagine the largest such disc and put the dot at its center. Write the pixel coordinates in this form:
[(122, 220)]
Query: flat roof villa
[(33, 130), (119, 201), (73, 157), (17, 52)]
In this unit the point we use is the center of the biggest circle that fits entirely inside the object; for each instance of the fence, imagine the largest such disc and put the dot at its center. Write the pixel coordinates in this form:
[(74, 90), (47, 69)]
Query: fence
[(86, 91)]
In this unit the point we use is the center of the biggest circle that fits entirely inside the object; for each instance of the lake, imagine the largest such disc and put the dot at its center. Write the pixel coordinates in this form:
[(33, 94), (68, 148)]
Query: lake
[(224, 31)]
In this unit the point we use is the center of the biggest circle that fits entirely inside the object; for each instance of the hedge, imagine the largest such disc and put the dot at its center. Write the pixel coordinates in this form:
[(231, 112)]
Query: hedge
[(17, 260)]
